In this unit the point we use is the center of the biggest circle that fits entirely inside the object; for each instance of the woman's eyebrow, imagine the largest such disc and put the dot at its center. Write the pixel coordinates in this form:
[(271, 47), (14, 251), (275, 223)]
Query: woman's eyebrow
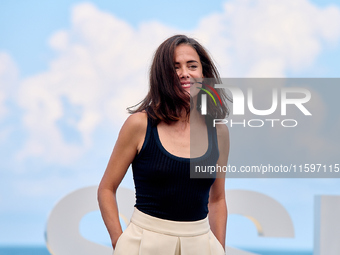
[(190, 61)]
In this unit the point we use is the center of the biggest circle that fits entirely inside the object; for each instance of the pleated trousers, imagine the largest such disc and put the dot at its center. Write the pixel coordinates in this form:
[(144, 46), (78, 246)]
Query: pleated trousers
[(148, 235)]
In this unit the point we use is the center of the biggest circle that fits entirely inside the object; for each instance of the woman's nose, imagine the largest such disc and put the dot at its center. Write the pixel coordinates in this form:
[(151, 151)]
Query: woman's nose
[(184, 73)]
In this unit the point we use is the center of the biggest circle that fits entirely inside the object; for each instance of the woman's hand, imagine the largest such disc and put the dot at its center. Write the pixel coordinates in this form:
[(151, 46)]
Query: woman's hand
[(114, 242)]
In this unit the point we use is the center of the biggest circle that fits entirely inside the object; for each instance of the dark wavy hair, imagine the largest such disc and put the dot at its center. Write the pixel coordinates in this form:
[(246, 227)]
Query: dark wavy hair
[(166, 98)]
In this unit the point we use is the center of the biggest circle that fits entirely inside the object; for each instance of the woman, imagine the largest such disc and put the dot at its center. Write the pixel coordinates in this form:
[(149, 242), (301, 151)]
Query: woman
[(171, 212)]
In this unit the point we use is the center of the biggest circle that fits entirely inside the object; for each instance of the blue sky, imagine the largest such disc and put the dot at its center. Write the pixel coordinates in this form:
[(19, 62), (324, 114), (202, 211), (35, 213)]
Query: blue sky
[(68, 70)]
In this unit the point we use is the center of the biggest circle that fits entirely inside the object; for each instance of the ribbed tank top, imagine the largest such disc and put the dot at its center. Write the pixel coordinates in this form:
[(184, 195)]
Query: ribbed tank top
[(163, 185)]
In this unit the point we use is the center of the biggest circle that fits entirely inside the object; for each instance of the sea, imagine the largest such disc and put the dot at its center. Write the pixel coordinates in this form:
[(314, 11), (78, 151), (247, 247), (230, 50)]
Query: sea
[(41, 250)]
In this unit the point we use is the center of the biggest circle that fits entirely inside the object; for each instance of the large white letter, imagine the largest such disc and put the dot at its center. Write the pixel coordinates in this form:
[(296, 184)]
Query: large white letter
[(268, 215), (298, 101), (262, 112), (327, 225), (62, 231)]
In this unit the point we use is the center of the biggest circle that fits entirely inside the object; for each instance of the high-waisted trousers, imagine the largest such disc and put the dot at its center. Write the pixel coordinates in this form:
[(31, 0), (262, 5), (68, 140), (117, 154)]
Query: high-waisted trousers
[(148, 235)]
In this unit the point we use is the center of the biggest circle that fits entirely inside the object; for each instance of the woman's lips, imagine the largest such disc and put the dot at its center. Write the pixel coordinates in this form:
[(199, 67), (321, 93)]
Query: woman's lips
[(186, 84)]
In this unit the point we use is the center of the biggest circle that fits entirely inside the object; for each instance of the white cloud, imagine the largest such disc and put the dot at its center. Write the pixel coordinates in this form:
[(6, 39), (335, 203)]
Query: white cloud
[(268, 38), (8, 85), (3, 110), (8, 80), (102, 63)]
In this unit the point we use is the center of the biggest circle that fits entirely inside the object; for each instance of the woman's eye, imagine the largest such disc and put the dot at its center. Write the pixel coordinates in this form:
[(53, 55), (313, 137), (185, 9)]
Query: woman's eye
[(193, 67)]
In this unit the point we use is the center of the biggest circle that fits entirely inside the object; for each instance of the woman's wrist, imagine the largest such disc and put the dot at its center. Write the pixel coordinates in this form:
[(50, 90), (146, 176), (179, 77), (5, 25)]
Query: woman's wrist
[(114, 240)]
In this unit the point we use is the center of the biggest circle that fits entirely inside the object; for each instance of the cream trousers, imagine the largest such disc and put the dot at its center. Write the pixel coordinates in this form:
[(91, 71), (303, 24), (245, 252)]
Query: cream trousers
[(148, 235)]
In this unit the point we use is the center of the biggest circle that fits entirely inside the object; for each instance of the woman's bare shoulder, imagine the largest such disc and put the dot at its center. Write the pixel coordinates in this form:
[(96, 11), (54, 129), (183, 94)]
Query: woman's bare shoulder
[(222, 131), (136, 123), (138, 118)]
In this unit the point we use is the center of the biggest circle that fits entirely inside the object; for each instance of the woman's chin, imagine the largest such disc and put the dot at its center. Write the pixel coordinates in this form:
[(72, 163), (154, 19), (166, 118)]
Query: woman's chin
[(193, 91)]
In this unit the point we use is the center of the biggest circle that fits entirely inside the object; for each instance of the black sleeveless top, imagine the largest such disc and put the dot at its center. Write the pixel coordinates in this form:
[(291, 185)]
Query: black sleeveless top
[(164, 188)]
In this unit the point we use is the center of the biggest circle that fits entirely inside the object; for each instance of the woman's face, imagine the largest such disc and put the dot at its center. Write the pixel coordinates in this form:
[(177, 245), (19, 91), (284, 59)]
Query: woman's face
[(188, 66)]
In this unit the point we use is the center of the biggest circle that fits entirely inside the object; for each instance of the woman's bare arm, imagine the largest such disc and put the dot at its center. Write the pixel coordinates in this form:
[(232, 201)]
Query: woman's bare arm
[(129, 142), (218, 212)]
